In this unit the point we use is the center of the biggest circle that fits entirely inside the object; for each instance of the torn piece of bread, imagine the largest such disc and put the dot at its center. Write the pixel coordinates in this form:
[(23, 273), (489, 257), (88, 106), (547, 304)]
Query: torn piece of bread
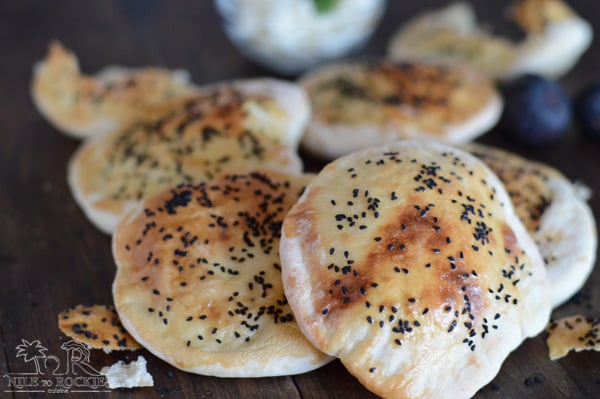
[(359, 104), (190, 140), (552, 210), (97, 326), (408, 262), (573, 333), (131, 375), (198, 282), (84, 106), (556, 37)]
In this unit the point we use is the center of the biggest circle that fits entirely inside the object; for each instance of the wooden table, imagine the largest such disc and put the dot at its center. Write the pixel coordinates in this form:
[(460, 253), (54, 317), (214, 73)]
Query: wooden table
[(52, 257)]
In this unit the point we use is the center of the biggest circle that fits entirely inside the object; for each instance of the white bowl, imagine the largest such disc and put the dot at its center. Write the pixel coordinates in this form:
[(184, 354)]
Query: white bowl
[(292, 36)]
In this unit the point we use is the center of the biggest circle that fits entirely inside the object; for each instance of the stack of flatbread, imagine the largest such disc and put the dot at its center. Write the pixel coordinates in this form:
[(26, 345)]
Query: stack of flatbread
[(419, 264)]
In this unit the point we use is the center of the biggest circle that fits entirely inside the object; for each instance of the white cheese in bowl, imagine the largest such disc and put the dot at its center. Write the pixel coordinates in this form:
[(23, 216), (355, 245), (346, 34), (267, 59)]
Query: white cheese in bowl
[(291, 36)]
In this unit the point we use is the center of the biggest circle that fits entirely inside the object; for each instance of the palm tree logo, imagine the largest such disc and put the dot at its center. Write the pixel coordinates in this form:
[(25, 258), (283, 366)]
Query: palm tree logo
[(32, 351)]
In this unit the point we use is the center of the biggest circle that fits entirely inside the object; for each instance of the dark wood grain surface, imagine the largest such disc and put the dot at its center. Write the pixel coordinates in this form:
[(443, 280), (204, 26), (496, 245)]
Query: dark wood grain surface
[(52, 257)]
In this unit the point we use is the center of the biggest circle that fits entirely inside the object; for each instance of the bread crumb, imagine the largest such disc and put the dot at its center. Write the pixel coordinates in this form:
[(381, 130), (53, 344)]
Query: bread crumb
[(576, 333), (97, 326), (132, 375)]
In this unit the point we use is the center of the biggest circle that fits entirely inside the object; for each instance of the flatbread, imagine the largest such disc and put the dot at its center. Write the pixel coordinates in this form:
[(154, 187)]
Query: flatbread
[(191, 140), (559, 220), (451, 35), (555, 39), (199, 281), (83, 106), (408, 263), (359, 104), (97, 326), (573, 333)]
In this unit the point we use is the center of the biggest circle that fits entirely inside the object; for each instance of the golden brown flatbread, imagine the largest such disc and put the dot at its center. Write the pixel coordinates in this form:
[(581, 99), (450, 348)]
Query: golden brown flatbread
[(364, 103), (199, 277), (190, 140), (408, 262)]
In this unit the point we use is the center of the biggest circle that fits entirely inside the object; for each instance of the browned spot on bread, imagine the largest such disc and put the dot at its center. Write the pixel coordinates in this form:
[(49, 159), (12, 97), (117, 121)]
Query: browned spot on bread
[(533, 16), (510, 241), (400, 94), (426, 87), (424, 231), (346, 291)]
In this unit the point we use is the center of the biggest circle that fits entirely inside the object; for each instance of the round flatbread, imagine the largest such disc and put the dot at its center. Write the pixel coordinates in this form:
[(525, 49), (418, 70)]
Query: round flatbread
[(82, 106), (199, 278), (560, 222), (361, 104), (408, 263), (189, 141)]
